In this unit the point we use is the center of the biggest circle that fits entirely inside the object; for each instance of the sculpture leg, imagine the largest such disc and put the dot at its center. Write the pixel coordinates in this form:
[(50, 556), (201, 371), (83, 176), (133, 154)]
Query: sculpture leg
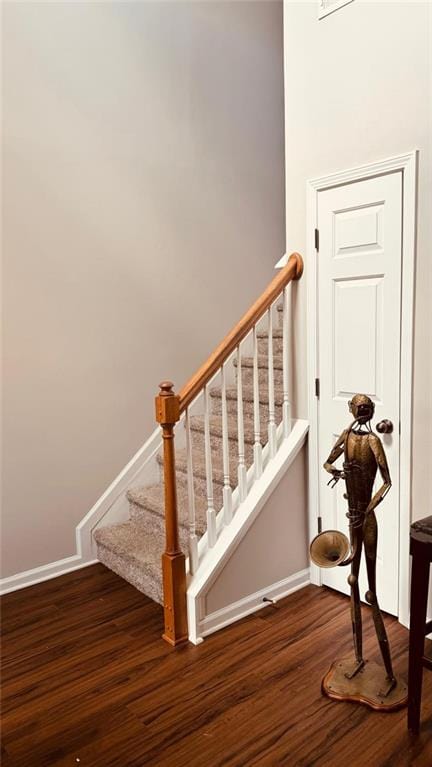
[(370, 541), (356, 620)]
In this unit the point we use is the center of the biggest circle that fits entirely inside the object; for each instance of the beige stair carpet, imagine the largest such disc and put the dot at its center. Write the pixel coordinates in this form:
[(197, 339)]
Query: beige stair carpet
[(133, 549)]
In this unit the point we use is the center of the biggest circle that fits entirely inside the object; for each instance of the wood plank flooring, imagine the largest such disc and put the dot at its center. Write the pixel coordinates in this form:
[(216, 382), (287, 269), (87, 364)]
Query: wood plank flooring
[(87, 680)]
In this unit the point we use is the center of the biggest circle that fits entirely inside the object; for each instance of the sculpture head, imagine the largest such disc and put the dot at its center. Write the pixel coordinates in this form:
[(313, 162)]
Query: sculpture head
[(362, 408)]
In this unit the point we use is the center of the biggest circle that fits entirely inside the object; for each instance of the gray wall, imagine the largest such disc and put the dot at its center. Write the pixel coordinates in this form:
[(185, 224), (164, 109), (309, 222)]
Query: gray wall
[(274, 547), (358, 89), (143, 211)]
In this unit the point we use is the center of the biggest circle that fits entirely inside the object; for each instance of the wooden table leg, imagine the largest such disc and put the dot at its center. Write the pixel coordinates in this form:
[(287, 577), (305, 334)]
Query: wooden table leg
[(419, 596)]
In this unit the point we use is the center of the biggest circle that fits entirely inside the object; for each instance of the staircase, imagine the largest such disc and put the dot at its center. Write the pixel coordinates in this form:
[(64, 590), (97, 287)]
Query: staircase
[(133, 549), (231, 420)]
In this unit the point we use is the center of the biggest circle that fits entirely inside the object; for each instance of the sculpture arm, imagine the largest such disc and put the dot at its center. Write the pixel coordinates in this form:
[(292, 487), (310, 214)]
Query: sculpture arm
[(336, 451), (380, 457)]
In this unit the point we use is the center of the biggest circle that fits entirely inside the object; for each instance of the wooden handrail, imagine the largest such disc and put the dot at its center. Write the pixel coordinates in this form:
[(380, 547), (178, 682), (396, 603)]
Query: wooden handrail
[(169, 407), (292, 271)]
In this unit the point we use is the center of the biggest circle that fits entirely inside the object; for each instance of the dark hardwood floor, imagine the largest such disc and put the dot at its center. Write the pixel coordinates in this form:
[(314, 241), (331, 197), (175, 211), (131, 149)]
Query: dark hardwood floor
[(87, 680)]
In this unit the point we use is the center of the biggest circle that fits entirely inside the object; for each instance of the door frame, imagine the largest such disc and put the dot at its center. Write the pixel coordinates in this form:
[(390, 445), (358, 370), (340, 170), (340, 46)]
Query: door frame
[(408, 165)]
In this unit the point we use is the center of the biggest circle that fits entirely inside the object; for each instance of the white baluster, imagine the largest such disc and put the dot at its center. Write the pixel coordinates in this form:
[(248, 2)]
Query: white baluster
[(193, 540), (211, 513), (272, 421), (242, 475), (227, 492), (286, 407), (258, 463)]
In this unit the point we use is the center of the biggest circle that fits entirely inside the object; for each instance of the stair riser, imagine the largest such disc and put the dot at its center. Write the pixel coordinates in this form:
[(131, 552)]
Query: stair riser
[(151, 586), (200, 486), (277, 347), (247, 410), (216, 451), (247, 378), (157, 524)]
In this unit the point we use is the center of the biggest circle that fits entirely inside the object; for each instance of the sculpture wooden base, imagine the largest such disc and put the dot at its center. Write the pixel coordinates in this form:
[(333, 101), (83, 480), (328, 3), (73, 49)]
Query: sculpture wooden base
[(364, 687)]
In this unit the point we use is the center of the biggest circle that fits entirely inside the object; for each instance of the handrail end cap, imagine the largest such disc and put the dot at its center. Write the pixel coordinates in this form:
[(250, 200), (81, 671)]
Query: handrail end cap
[(299, 265)]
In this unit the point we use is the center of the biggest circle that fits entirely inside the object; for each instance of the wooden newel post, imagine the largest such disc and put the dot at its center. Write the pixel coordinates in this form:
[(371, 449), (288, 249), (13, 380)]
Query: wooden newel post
[(173, 559)]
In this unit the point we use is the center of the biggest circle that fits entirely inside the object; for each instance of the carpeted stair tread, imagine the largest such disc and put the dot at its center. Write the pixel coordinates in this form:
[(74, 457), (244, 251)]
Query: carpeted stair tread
[(277, 332), (133, 549), (231, 394), (152, 499), (215, 422), (247, 362)]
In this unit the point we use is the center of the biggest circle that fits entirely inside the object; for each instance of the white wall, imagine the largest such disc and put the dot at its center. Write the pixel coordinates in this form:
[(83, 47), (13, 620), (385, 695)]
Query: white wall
[(358, 89), (143, 168)]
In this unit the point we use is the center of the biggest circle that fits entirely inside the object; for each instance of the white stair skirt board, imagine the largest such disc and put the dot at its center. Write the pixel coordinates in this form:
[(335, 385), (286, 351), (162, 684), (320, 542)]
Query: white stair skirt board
[(282, 262), (253, 602), (212, 561), (112, 507)]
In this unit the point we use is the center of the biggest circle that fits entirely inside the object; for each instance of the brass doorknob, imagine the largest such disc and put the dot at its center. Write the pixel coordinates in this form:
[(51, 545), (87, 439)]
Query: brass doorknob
[(385, 426)]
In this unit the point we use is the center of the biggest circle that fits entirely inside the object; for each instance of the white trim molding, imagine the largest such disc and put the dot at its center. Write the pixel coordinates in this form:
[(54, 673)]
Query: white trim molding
[(407, 164), (113, 506), (282, 262), (253, 602), (326, 7), (43, 573)]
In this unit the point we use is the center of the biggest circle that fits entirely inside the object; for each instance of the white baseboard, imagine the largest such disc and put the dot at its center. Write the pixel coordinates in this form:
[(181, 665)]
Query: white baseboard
[(43, 573), (253, 602)]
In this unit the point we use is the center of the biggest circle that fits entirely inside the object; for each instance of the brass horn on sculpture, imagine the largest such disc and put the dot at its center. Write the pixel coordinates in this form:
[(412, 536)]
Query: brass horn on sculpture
[(330, 549)]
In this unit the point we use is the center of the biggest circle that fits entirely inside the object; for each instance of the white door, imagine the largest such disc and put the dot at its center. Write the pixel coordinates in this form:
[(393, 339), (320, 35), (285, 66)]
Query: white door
[(359, 317)]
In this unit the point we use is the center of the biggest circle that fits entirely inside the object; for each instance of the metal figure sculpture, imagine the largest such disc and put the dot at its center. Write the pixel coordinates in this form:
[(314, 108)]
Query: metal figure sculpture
[(363, 457), (364, 454)]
